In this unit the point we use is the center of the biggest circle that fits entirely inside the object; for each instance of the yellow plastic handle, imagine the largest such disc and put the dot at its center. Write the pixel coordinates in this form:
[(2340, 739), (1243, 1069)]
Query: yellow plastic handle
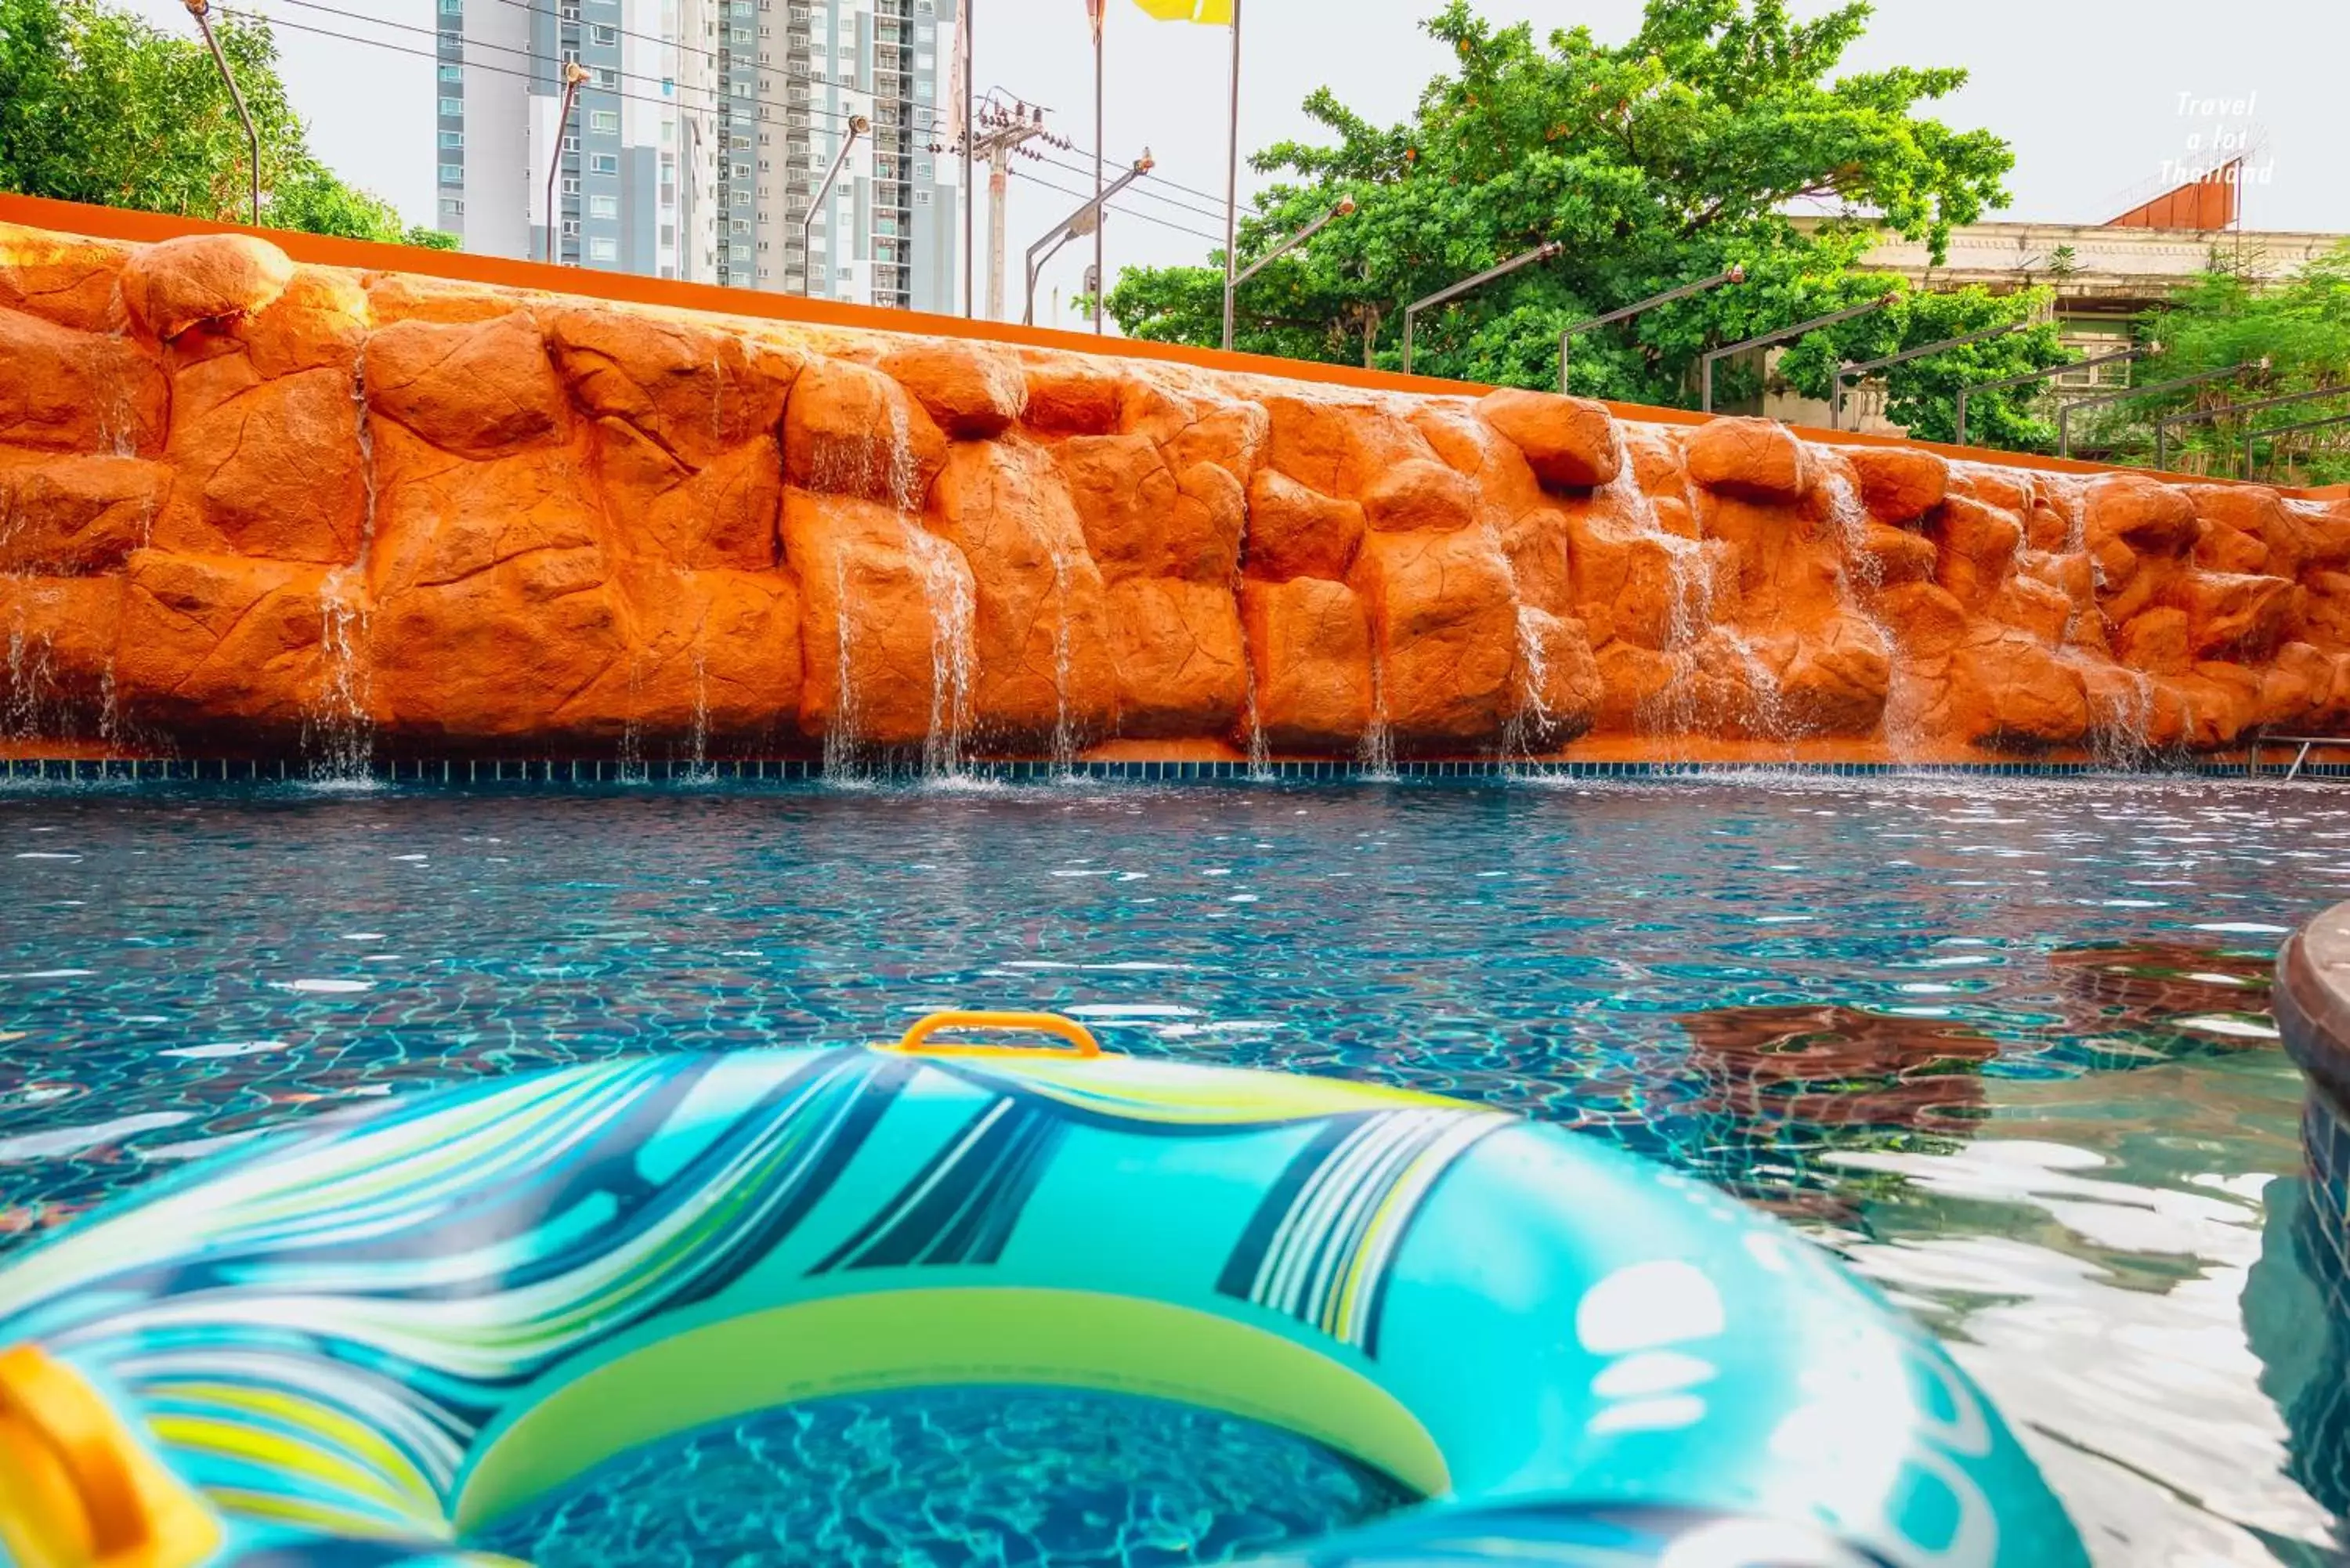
[(76, 1490), (916, 1040)]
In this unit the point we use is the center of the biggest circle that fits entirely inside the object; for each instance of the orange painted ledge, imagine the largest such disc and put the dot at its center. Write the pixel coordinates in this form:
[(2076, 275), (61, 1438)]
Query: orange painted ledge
[(366, 255)]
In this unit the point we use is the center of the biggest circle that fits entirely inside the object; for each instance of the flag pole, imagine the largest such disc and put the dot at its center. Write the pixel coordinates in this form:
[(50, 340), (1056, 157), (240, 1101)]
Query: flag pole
[(1233, 180), (1101, 6)]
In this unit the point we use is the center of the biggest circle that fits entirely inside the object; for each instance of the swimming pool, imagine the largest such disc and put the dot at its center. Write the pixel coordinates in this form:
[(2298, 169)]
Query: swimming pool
[(2003, 1045)]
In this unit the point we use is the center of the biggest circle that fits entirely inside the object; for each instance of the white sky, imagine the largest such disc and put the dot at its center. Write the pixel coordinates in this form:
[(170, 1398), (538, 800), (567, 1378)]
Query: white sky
[(2088, 91)]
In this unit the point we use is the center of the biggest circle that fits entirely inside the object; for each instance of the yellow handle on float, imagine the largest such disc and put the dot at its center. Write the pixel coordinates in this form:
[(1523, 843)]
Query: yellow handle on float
[(915, 1042), (76, 1491)]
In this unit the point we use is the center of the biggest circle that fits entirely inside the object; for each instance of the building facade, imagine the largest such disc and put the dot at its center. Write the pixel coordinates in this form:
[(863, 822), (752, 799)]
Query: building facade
[(698, 142)]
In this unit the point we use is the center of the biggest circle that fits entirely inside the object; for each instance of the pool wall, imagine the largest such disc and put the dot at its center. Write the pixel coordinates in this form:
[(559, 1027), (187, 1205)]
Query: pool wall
[(261, 509), (2312, 1010)]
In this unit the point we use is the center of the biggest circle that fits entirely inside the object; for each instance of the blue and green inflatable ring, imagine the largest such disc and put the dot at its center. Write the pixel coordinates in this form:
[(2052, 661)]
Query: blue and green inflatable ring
[(397, 1328)]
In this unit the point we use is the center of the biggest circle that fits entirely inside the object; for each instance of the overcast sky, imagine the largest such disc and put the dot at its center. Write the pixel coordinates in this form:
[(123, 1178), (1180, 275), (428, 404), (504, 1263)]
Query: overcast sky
[(2089, 93)]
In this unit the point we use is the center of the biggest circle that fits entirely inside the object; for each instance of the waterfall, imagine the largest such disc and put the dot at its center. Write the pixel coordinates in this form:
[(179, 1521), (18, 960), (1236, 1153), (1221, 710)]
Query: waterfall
[(338, 735), (697, 750), (338, 732), (893, 469), (841, 735), (2121, 722), (1673, 710), (1065, 731), (1849, 516), (1376, 754), (1260, 755), (29, 674)]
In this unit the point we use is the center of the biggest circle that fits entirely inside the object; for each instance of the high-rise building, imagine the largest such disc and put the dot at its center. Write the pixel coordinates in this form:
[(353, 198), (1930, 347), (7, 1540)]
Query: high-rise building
[(632, 175), (794, 74), (700, 137)]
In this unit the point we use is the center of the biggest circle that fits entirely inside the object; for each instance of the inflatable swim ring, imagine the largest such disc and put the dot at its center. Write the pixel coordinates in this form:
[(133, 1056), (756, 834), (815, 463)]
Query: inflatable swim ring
[(364, 1342)]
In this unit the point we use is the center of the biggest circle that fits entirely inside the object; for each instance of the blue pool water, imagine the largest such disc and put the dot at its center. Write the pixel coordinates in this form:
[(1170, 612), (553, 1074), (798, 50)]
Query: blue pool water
[(953, 1477), (2004, 1046)]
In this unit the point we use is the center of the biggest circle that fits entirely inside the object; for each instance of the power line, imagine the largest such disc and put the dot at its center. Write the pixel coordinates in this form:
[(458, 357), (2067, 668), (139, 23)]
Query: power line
[(623, 93), (1217, 215), (1146, 217)]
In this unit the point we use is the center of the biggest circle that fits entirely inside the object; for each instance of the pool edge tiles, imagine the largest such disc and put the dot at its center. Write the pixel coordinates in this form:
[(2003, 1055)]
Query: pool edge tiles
[(566, 772)]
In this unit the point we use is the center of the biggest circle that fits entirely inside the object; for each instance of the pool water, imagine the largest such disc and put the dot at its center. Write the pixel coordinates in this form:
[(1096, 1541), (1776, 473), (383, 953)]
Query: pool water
[(2004, 1045), (949, 1477)]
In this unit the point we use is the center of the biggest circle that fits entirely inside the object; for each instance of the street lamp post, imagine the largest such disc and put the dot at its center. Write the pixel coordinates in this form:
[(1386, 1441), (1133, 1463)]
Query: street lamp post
[(1233, 283), (1763, 340), (858, 126), (1835, 382), (574, 73), (2196, 416), (202, 11), (2064, 414), (2031, 376), (1542, 252), (1082, 222), (1730, 275)]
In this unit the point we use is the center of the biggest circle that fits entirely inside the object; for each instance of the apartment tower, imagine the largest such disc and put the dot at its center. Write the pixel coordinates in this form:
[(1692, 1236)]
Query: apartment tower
[(697, 141)]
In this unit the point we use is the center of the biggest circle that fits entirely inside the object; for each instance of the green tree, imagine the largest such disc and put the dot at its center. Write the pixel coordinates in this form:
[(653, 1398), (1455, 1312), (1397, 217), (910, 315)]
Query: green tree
[(1664, 158), (2300, 325), (96, 106)]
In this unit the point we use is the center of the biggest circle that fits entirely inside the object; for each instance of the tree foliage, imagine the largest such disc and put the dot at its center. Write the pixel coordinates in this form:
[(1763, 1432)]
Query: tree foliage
[(1661, 160), (2232, 316), (96, 106)]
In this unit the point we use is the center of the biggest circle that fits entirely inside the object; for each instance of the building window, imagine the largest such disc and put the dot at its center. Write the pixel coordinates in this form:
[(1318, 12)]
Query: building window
[(454, 106), (452, 139), (603, 206), (603, 163), (742, 226), (453, 173), (921, 171), (570, 144), (571, 185), (570, 228), (921, 198), (600, 34), (604, 122), (452, 7), (605, 76), (452, 73), (603, 250), (453, 206)]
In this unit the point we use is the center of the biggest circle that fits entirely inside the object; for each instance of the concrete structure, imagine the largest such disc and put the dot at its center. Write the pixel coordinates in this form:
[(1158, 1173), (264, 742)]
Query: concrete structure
[(695, 148)]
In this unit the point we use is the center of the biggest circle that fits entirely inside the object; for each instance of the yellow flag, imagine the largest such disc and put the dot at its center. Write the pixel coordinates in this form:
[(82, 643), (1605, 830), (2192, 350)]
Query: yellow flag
[(1216, 12)]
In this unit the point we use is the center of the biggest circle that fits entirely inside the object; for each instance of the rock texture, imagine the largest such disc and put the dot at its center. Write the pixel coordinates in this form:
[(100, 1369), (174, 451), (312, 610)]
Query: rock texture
[(249, 506)]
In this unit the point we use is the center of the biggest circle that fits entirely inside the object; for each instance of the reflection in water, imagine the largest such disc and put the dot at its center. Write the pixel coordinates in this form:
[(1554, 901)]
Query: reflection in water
[(2098, 1261), (1839, 1066)]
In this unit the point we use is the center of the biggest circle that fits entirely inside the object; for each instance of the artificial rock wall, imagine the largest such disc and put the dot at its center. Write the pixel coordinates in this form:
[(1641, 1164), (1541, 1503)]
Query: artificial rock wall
[(247, 506)]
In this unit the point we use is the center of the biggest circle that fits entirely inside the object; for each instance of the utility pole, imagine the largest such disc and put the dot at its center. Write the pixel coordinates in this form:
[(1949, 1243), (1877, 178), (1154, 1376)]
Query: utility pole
[(996, 135)]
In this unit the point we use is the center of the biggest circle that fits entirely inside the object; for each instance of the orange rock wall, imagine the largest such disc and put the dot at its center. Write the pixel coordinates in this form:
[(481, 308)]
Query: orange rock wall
[(247, 506)]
